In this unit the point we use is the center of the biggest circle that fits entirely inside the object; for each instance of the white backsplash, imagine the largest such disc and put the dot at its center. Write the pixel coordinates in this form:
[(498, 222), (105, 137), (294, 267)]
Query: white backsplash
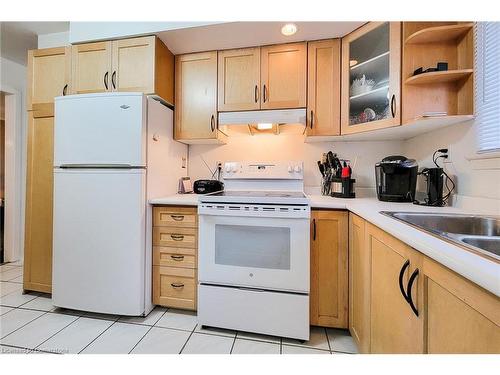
[(289, 145), (461, 143)]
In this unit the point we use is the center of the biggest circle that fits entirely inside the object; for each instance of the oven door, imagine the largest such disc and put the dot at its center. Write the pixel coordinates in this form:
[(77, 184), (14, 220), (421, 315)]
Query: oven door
[(255, 252)]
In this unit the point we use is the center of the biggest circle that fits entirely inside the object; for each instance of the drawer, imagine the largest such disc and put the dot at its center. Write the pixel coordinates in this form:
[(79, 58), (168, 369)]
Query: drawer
[(174, 257), (175, 237), (185, 217), (174, 287)]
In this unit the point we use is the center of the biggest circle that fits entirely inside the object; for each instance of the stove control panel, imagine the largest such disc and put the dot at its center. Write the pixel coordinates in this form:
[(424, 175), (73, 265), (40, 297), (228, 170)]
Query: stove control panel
[(289, 170)]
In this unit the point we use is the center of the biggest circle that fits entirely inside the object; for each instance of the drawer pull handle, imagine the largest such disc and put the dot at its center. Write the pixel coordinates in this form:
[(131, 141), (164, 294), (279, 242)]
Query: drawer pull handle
[(177, 285), (177, 258), (177, 217), (177, 237)]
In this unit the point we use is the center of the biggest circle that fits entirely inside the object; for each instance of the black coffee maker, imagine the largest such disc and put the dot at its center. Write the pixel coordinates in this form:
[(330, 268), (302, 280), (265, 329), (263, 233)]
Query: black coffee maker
[(396, 178)]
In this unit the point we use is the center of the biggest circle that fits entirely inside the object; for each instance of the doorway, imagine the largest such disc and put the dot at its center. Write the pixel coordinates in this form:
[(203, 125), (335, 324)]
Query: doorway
[(2, 174)]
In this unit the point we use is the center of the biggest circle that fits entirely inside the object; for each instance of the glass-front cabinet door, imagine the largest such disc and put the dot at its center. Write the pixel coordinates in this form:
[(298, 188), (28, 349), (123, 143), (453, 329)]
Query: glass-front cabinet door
[(371, 77)]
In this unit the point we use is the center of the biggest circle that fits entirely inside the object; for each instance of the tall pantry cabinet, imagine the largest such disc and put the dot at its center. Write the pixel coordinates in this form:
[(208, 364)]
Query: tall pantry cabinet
[(49, 75)]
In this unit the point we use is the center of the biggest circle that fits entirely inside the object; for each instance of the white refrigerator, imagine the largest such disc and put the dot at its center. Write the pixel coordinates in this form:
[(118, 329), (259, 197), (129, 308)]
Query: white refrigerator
[(112, 152)]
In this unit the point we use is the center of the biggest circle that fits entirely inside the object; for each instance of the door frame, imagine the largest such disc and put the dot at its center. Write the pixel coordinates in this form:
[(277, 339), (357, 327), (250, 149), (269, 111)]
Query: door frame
[(15, 172)]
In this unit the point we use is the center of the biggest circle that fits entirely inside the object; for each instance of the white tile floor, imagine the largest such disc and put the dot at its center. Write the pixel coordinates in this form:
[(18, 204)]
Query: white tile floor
[(29, 323)]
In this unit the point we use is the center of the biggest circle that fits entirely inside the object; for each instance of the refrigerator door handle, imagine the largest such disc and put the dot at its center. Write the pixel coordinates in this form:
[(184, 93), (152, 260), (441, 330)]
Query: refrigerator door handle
[(100, 166)]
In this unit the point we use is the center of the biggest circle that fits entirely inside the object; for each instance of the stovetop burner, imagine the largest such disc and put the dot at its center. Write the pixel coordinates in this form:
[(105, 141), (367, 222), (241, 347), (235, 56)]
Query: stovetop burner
[(256, 197)]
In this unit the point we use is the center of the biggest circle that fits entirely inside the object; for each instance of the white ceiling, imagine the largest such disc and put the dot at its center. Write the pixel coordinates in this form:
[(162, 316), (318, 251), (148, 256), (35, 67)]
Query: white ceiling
[(246, 34), (18, 37)]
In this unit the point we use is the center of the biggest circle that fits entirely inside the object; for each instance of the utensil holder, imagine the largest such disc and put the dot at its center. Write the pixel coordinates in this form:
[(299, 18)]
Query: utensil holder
[(342, 187)]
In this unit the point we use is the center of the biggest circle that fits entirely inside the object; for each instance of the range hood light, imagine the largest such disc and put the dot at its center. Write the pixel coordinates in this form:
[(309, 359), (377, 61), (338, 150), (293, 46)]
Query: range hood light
[(264, 126)]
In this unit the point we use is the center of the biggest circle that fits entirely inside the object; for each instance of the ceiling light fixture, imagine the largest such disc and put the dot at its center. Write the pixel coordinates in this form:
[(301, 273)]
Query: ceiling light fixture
[(289, 29), (264, 126)]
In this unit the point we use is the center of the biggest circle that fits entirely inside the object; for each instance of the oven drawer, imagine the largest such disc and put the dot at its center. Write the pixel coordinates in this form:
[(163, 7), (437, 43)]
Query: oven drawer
[(174, 257), (266, 312), (174, 287), (175, 237), (185, 217)]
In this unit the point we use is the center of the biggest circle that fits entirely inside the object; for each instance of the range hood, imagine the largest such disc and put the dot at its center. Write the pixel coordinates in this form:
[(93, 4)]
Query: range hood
[(273, 116)]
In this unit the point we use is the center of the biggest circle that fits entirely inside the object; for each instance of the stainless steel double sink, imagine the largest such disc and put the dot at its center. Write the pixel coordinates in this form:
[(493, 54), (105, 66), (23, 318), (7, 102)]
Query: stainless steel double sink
[(478, 233)]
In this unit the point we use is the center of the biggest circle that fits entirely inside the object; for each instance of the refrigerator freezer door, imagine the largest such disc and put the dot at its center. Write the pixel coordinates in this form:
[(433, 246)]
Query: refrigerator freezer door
[(100, 129), (99, 240)]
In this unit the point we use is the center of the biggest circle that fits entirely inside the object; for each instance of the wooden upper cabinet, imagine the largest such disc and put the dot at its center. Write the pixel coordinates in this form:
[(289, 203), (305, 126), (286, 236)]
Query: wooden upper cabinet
[(283, 76), (49, 72), (239, 79), (196, 98), (323, 88), (329, 270), (371, 78), (133, 65), (143, 64), (137, 64), (359, 283), (395, 327), (39, 192), (91, 67)]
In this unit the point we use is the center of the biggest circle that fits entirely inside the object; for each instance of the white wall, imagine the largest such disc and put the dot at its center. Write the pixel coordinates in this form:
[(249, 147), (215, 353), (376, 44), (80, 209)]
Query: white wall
[(53, 40), (461, 142), (291, 146), (13, 79), (87, 31)]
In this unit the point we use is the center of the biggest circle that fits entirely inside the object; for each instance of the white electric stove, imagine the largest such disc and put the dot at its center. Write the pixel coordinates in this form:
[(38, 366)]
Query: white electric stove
[(254, 251)]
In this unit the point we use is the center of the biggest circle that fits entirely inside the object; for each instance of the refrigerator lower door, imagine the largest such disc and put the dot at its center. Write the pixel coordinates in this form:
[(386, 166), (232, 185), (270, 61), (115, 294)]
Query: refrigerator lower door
[(99, 240)]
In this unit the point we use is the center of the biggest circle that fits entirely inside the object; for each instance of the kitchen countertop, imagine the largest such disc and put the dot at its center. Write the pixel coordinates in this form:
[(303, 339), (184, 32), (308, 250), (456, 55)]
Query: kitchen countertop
[(480, 270)]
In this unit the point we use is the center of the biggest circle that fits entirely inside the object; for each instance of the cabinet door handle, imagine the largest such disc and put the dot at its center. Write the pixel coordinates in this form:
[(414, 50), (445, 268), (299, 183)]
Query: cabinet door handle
[(314, 229), (65, 89), (393, 106), (408, 293), (113, 79), (401, 275), (312, 118), (177, 258), (177, 237), (264, 96), (106, 80), (256, 93), (177, 285), (212, 123), (177, 217)]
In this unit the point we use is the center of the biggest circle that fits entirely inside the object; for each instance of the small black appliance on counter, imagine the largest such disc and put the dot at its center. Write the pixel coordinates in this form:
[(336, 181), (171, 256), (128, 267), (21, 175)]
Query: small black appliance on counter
[(436, 179), (207, 186), (396, 179)]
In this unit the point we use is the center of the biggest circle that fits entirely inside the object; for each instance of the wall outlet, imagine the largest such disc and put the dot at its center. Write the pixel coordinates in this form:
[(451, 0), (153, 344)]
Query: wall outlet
[(448, 159)]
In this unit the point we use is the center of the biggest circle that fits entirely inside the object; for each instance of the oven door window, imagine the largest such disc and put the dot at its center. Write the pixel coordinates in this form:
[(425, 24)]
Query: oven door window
[(252, 246)]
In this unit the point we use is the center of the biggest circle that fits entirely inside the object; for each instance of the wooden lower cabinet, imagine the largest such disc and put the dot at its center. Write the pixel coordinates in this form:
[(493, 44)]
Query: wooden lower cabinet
[(175, 256), (174, 287), (359, 284), (329, 270), (460, 316), (395, 328), (39, 193), (454, 314)]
